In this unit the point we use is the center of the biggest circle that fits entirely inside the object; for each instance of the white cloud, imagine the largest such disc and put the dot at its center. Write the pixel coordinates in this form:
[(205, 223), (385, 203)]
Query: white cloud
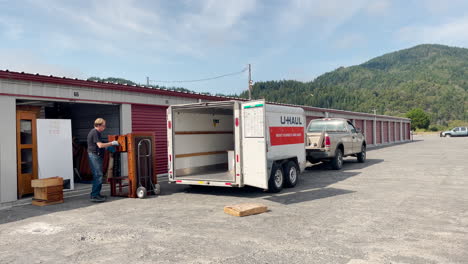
[(24, 61), (118, 26), (323, 17), (437, 7), (10, 28), (450, 33), (350, 40), (378, 7)]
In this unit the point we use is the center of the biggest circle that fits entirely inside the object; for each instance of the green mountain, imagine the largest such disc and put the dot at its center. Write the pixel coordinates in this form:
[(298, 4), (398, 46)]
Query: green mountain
[(431, 77)]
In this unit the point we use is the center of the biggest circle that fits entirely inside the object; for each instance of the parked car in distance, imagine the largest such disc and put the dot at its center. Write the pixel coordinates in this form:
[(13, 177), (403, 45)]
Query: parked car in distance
[(455, 132), (332, 139)]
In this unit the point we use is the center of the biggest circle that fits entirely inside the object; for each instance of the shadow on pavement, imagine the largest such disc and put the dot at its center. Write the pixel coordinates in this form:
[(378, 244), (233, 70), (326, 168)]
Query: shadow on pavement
[(305, 196), (350, 163)]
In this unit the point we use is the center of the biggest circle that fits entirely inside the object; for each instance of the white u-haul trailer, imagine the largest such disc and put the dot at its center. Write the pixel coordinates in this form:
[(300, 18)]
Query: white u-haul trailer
[(234, 143)]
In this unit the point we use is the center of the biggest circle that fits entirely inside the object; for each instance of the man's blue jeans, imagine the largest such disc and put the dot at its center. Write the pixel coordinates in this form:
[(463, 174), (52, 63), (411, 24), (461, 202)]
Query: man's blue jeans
[(95, 162)]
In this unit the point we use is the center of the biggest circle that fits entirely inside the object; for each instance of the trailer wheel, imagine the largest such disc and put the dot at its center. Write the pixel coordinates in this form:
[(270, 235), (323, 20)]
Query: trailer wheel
[(292, 174), (276, 181)]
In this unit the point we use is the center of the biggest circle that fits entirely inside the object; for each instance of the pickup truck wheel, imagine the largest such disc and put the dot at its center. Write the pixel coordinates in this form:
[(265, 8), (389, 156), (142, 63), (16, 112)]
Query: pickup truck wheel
[(361, 156), (275, 184), (448, 135), (337, 161), (292, 174)]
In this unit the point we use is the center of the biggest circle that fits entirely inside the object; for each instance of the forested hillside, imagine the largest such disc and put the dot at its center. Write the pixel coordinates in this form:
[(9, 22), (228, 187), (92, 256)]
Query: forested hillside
[(431, 77)]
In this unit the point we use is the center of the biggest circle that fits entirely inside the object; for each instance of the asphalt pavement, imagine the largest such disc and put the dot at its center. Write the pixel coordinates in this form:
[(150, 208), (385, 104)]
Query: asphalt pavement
[(407, 204)]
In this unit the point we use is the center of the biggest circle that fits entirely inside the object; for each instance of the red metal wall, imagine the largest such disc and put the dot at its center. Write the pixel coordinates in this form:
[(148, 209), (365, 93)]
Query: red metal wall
[(398, 132), (378, 132), (146, 118), (359, 124), (385, 131), (369, 132), (408, 131), (392, 132)]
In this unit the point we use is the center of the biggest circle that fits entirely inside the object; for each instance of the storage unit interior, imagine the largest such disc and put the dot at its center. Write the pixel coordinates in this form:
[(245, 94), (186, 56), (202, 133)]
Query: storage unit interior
[(204, 143), (82, 116)]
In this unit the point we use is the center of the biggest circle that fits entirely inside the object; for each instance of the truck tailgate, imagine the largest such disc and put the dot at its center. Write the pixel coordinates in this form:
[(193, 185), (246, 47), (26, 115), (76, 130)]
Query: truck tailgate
[(315, 140)]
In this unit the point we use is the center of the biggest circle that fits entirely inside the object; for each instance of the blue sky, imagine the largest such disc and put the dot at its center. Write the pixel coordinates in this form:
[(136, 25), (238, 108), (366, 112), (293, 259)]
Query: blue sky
[(193, 39)]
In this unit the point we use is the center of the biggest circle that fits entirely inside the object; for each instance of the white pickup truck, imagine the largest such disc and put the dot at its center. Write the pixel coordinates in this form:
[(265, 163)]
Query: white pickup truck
[(331, 139)]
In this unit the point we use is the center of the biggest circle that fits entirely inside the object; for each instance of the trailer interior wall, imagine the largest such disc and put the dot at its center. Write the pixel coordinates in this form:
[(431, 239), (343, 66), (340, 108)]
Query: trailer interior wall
[(203, 138), (8, 182)]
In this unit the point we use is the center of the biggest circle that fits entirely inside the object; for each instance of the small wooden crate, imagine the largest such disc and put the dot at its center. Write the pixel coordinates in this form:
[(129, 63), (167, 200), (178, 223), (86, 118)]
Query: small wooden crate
[(47, 191)]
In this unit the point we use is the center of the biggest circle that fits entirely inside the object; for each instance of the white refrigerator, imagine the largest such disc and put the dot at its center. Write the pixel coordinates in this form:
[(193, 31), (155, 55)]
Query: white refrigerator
[(55, 150)]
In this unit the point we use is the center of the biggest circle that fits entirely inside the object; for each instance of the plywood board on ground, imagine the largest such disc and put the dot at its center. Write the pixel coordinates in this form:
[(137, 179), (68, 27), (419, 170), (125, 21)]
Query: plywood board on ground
[(245, 209)]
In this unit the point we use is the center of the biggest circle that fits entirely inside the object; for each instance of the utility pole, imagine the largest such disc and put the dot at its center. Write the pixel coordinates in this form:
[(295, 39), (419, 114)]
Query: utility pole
[(250, 83), (147, 81)]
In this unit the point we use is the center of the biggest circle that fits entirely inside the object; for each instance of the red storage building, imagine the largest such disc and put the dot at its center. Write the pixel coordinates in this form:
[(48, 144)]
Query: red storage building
[(149, 118), (385, 131), (378, 130), (369, 132), (359, 124)]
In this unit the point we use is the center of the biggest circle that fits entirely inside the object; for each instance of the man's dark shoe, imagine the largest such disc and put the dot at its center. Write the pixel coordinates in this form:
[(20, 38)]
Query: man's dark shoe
[(97, 199), (102, 196)]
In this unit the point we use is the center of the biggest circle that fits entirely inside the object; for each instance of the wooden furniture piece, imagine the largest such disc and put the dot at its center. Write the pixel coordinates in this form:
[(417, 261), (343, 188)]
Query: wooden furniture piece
[(141, 165), (47, 191), (26, 149)]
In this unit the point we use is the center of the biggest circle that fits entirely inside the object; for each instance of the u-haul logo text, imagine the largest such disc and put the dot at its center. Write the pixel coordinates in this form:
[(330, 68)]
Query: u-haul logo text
[(290, 120)]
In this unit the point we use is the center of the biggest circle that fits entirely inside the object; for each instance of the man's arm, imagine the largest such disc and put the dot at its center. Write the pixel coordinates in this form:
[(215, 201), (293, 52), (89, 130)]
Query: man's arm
[(103, 145)]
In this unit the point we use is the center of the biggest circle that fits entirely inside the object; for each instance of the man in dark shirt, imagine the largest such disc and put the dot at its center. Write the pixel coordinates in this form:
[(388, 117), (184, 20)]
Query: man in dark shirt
[(96, 155)]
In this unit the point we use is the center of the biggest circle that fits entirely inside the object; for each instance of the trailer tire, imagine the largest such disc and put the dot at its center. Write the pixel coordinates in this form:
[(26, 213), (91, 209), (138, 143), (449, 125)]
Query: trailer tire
[(276, 181), (292, 174), (337, 161)]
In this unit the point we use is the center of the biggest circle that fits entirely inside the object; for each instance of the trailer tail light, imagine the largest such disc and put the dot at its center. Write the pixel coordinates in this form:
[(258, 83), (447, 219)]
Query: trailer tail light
[(237, 158), (170, 158), (228, 183), (237, 121), (169, 124)]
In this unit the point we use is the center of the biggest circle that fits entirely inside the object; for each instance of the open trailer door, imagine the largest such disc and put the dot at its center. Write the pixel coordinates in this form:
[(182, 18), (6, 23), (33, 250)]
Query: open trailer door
[(254, 156)]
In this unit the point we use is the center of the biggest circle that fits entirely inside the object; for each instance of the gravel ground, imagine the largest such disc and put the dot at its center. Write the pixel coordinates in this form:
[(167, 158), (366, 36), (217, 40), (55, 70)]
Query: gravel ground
[(407, 204)]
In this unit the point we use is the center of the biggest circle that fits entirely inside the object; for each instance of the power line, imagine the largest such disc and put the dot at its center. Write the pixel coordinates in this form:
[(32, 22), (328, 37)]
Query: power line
[(204, 79)]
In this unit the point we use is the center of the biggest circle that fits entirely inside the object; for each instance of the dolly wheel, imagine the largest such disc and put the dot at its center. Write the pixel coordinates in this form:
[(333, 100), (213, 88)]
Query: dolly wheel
[(141, 192), (157, 189)]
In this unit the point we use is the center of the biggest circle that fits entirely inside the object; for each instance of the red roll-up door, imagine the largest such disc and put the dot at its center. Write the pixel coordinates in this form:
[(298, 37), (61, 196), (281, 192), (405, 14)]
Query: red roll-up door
[(385, 131), (408, 131), (392, 132), (148, 118), (369, 132), (378, 130), (398, 132), (359, 124)]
